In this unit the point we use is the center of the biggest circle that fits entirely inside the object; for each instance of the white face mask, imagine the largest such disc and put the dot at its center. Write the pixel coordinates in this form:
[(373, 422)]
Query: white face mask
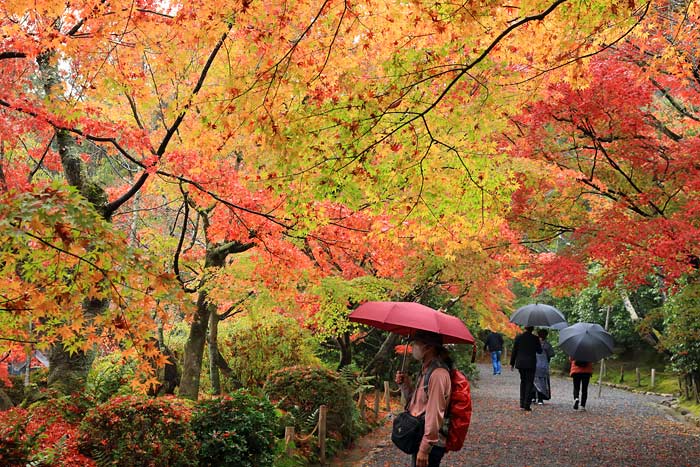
[(418, 351)]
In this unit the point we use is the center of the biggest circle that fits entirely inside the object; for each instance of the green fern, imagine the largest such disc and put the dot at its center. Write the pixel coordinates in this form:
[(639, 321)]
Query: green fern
[(102, 458), (354, 378), (310, 421)]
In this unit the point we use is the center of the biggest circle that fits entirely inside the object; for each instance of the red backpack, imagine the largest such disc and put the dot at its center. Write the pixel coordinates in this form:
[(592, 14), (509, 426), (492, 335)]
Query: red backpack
[(459, 411)]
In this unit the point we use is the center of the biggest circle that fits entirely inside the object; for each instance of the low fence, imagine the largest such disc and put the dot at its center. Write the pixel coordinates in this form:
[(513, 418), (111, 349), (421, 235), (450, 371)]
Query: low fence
[(321, 427)]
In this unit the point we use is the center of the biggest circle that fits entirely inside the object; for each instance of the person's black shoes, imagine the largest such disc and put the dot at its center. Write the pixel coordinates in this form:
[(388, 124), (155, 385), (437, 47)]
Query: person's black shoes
[(576, 404)]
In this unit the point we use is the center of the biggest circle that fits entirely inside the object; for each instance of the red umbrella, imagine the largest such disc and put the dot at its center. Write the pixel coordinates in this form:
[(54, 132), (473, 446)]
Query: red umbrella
[(408, 317)]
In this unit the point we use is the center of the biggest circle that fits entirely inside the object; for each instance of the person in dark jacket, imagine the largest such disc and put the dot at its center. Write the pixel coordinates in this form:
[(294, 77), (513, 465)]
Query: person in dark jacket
[(524, 358), (494, 344)]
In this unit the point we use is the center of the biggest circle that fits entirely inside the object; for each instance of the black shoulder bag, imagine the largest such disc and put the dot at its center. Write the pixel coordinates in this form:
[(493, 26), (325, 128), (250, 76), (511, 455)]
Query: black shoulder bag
[(407, 431)]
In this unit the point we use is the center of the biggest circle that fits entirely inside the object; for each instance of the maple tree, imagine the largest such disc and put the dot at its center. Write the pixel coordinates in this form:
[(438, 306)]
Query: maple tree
[(266, 112), (58, 251), (621, 209), (625, 190)]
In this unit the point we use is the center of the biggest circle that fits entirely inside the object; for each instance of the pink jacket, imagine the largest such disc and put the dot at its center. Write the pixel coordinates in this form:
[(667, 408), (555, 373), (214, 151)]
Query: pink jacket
[(434, 404)]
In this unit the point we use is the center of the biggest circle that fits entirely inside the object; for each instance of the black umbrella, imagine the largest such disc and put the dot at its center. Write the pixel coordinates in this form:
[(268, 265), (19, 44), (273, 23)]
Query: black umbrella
[(537, 314), (588, 342), (559, 326)]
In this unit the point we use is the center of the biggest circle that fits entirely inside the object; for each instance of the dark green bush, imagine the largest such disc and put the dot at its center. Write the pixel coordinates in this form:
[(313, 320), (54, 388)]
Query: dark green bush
[(255, 346), (135, 431), (15, 444), (109, 376), (236, 431), (301, 390)]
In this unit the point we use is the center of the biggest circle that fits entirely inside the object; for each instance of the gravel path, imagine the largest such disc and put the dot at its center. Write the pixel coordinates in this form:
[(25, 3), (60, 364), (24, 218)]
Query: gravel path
[(620, 429)]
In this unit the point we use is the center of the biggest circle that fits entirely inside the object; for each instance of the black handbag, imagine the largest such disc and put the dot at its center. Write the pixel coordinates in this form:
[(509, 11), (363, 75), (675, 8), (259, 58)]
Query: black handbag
[(407, 432)]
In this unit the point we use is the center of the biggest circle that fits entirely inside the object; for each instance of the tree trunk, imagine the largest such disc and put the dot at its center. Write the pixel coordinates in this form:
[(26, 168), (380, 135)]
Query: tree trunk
[(214, 352), (68, 371), (5, 401), (345, 350), (382, 358), (194, 349)]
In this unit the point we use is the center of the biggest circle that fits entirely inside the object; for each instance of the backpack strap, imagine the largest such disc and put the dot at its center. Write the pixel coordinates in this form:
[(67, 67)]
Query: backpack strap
[(436, 363)]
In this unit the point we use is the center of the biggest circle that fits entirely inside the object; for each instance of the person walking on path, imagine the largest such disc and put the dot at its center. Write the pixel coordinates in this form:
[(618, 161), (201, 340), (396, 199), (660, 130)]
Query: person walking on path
[(524, 358), (428, 349), (494, 344), (628, 429), (581, 373), (542, 382)]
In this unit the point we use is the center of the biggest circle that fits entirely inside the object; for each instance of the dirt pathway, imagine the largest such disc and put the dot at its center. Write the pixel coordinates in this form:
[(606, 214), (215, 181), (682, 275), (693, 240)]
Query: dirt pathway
[(620, 429)]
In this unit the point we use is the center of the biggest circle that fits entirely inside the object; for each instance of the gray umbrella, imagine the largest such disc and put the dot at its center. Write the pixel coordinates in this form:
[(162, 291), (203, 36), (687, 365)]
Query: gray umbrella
[(537, 314), (586, 341)]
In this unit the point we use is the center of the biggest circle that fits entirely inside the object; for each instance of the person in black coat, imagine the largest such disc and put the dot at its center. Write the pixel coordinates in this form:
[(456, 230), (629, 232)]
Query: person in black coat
[(524, 358)]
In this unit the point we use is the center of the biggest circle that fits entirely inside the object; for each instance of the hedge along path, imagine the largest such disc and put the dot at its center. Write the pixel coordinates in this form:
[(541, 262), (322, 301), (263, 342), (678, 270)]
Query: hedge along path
[(619, 429)]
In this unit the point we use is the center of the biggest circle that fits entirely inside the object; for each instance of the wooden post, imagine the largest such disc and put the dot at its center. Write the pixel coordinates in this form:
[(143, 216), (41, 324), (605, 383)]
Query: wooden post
[(602, 362), (322, 413), (377, 396), (622, 374), (601, 376), (639, 377), (653, 378), (288, 438), (387, 396)]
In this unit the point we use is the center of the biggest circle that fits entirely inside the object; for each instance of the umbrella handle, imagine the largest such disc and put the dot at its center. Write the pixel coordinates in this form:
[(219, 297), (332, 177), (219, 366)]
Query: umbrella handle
[(405, 351)]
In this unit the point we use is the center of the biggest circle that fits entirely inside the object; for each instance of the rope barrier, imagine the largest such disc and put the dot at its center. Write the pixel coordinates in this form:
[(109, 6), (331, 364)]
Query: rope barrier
[(307, 437)]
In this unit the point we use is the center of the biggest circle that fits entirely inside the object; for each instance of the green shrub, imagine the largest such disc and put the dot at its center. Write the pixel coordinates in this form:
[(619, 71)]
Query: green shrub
[(255, 347), (138, 431), (236, 430), (15, 391), (15, 443), (301, 390), (109, 376), (462, 358)]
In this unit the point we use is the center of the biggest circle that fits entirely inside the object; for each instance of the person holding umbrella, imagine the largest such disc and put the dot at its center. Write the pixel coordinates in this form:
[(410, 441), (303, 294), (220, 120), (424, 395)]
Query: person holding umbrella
[(524, 358), (584, 343), (428, 349)]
